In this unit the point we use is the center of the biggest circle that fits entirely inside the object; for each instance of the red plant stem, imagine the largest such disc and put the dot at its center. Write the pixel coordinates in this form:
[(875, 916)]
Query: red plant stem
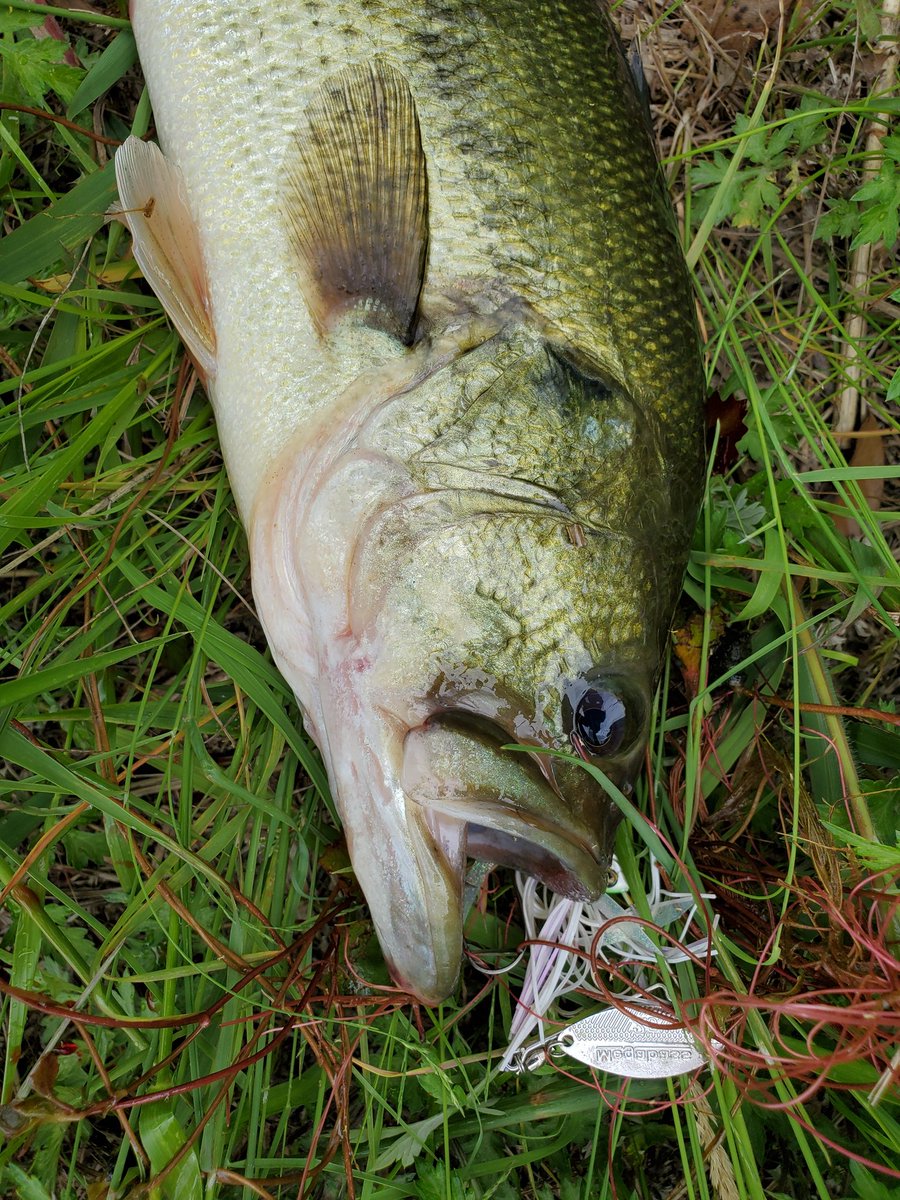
[(43, 843), (49, 116), (140, 1152), (51, 1009), (254, 1185), (828, 710)]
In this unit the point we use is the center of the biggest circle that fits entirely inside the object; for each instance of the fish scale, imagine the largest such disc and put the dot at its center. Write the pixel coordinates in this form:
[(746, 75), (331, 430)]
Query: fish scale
[(423, 257)]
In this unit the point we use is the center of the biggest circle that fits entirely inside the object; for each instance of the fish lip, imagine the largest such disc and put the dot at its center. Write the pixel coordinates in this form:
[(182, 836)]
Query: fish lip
[(561, 850)]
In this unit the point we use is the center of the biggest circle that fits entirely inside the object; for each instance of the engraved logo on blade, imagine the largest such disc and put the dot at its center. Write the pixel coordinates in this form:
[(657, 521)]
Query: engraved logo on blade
[(637, 1048)]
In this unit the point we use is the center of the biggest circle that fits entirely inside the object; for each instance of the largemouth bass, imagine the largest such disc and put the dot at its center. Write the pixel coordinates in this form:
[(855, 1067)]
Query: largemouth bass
[(421, 252)]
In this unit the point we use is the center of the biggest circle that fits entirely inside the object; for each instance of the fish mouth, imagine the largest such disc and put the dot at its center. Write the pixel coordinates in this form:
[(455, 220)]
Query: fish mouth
[(417, 802), (465, 796), (510, 807)]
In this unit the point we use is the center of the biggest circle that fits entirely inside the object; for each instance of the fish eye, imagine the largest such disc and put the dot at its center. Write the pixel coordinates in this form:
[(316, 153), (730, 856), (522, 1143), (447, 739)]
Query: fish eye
[(601, 715), (599, 721)]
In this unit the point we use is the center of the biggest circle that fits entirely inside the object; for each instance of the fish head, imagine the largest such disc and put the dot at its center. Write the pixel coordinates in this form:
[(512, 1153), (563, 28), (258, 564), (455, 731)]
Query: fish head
[(479, 582)]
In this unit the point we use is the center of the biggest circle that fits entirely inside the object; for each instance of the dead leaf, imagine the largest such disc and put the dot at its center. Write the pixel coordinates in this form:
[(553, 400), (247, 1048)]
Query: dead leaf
[(868, 452), (687, 642), (729, 20), (114, 273), (729, 416), (43, 1077)]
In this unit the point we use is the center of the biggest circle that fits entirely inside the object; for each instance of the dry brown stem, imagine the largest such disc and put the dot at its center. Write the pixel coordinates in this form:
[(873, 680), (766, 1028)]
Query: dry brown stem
[(849, 403)]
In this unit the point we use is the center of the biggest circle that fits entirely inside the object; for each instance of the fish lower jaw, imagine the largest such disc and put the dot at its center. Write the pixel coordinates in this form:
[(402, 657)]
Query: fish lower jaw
[(499, 806), (565, 865), (424, 957)]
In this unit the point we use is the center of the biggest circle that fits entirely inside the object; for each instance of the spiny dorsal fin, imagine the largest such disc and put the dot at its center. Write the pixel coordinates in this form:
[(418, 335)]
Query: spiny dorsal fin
[(153, 204), (632, 53), (356, 200)]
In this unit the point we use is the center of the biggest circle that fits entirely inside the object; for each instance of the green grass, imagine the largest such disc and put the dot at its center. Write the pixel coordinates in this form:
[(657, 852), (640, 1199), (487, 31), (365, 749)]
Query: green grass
[(179, 932)]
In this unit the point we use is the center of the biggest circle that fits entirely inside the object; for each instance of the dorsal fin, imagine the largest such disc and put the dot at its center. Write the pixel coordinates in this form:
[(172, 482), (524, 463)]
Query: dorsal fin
[(636, 66), (356, 200), (154, 206)]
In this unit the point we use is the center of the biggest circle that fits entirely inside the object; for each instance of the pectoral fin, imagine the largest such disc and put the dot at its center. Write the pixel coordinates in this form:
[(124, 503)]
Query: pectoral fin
[(356, 200), (154, 207)]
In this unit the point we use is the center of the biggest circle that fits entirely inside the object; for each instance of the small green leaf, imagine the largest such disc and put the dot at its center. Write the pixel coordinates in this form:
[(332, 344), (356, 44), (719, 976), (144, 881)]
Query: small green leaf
[(77, 942), (434, 1183), (84, 848), (810, 127), (779, 141), (760, 194), (869, 20), (410, 1143), (882, 187), (880, 198), (876, 856), (840, 220), (12, 21), (27, 1187), (878, 223), (34, 68), (716, 189), (439, 1086)]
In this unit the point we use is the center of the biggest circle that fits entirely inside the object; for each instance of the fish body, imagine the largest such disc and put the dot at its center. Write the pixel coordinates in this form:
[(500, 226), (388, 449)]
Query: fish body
[(423, 255)]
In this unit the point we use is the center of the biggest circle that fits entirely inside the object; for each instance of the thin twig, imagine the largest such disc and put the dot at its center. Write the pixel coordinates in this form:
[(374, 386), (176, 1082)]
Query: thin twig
[(848, 405)]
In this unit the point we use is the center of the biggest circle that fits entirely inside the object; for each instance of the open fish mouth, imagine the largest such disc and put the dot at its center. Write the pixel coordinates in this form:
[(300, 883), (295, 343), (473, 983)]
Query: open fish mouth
[(418, 802), (508, 806)]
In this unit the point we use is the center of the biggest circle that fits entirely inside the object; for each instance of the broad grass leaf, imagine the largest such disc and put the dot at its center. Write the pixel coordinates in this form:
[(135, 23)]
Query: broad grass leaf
[(47, 771), (876, 745), (868, 452), (34, 495), (868, 1187), (54, 235), (58, 675), (163, 1136), (770, 576), (27, 946), (257, 677), (116, 59), (883, 802)]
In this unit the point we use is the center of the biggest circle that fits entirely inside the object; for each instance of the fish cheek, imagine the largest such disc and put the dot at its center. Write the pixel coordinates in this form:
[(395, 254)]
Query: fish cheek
[(431, 637), (477, 625)]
